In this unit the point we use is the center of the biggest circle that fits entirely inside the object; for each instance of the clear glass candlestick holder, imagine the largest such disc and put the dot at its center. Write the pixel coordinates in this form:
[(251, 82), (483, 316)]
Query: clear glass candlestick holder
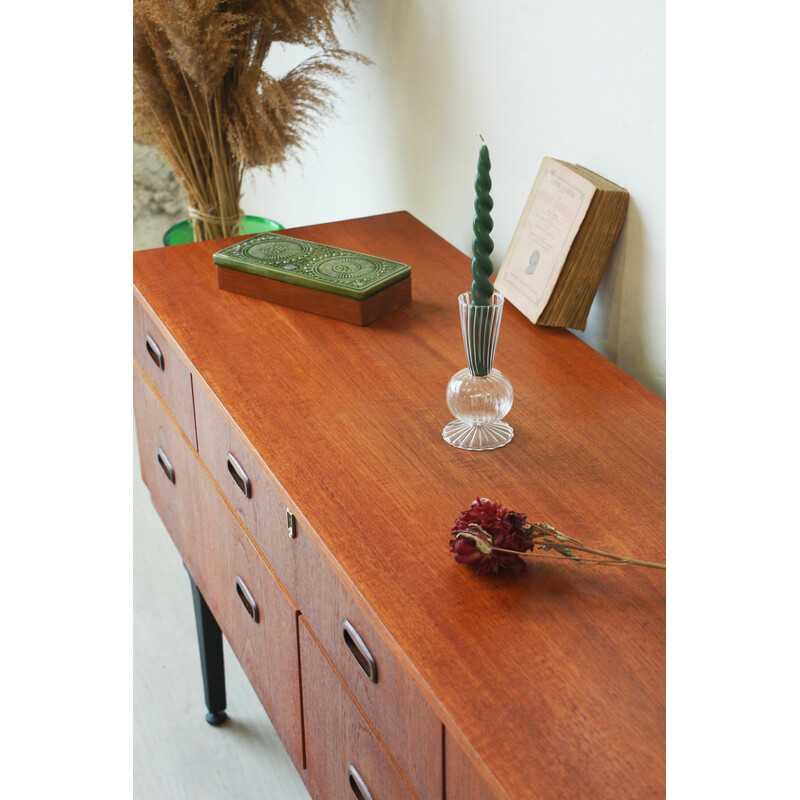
[(479, 396)]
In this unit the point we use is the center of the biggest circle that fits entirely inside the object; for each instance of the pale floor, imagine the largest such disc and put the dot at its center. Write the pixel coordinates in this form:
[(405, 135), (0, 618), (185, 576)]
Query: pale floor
[(176, 753)]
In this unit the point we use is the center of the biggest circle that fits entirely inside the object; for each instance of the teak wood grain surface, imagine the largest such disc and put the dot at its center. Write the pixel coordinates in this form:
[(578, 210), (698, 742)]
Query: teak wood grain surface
[(551, 679)]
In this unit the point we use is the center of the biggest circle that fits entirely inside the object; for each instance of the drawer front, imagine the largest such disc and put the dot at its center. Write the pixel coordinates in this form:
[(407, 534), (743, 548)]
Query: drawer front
[(246, 486), (165, 458), (345, 761), (255, 615), (158, 358), (372, 673)]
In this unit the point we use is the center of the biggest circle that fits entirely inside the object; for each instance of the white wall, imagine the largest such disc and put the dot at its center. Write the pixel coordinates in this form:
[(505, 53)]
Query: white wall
[(579, 80)]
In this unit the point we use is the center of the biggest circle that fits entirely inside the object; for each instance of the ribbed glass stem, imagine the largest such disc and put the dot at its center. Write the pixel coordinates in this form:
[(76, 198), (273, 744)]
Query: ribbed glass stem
[(479, 396), (480, 328)]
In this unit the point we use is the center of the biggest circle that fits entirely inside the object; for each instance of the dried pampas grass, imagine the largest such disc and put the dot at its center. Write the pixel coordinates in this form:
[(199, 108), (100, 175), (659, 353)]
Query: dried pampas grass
[(202, 96)]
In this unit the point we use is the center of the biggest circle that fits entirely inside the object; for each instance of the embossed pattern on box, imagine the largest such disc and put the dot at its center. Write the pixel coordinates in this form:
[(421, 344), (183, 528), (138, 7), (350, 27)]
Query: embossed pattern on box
[(312, 265)]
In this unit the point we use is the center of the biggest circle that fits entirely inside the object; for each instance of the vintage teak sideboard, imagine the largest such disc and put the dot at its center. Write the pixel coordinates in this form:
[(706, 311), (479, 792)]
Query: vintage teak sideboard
[(298, 464)]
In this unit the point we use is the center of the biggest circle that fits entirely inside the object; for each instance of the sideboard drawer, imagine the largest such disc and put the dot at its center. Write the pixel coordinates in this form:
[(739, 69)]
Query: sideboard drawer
[(158, 358), (246, 486), (344, 758), (384, 690), (255, 615), (165, 458)]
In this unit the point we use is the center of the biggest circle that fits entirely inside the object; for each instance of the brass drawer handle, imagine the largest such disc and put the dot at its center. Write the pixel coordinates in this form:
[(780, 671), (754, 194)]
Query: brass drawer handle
[(357, 784), (291, 524), (360, 651), (169, 471), (155, 352), (239, 476), (247, 599)]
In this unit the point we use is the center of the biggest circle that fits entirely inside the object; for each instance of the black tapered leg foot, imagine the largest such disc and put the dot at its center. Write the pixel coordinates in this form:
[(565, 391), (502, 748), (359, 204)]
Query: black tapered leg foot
[(209, 638)]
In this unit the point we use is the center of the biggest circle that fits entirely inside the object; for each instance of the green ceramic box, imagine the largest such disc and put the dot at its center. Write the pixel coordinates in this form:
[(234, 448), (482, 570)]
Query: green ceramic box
[(312, 266)]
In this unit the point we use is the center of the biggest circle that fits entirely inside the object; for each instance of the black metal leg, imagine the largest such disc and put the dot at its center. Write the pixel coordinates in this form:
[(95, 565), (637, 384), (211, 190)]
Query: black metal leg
[(209, 637)]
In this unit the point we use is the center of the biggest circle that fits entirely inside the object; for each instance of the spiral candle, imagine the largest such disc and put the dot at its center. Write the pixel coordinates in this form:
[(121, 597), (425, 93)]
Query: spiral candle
[(482, 244)]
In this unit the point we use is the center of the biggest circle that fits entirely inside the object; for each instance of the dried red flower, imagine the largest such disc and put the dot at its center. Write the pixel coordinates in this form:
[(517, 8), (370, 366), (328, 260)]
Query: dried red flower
[(488, 537), (486, 525)]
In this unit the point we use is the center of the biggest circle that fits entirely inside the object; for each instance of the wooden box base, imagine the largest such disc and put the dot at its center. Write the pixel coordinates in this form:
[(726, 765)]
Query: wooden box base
[(346, 309)]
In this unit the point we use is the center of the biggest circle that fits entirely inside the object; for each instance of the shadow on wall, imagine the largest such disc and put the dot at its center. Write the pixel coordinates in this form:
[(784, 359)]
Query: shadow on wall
[(617, 324)]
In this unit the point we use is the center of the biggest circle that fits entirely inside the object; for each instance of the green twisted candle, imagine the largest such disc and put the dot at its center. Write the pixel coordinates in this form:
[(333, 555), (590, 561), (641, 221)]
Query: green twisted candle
[(482, 244)]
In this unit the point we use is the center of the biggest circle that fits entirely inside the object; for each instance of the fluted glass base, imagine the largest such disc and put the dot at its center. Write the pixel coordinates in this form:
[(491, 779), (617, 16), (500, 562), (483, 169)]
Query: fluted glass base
[(477, 437), (478, 403)]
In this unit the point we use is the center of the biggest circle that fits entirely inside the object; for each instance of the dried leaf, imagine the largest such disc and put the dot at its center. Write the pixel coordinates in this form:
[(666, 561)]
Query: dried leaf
[(478, 540)]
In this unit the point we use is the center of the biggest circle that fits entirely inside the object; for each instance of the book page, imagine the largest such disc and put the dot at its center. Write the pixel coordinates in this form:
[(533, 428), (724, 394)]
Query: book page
[(553, 214)]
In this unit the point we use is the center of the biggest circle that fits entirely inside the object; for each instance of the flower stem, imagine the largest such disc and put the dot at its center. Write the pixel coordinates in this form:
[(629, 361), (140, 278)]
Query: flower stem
[(615, 560), (544, 529)]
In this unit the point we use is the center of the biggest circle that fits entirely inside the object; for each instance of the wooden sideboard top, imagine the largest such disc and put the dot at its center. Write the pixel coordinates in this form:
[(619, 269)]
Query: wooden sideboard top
[(552, 678)]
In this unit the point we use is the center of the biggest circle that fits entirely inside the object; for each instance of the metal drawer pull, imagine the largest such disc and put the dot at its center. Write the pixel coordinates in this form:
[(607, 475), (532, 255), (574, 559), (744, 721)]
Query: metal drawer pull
[(155, 352), (357, 784), (247, 599), (165, 465), (240, 476), (360, 651)]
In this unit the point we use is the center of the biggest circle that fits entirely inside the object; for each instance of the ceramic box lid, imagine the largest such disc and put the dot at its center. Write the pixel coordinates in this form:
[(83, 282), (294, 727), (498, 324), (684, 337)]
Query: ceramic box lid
[(312, 265)]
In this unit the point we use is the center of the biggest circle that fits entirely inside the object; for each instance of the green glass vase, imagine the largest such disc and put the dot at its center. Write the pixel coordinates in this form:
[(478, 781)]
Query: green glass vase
[(182, 232)]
